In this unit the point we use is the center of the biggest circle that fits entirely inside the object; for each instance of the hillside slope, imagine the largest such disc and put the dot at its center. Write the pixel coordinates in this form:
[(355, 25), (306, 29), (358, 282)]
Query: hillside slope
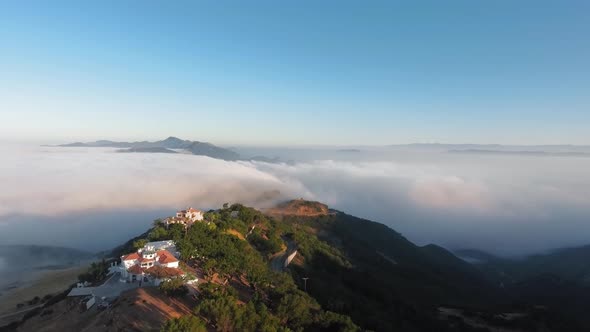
[(383, 281)]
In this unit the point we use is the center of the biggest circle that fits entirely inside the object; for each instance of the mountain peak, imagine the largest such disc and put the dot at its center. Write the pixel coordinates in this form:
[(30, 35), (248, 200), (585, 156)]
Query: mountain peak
[(300, 207)]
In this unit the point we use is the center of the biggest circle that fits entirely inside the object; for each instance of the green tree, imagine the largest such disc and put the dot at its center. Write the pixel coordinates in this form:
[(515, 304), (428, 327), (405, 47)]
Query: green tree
[(159, 233), (186, 249), (96, 272), (330, 321), (295, 309), (137, 244), (209, 267), (176, 232), (222, 312), (174, 287), (187, 323)]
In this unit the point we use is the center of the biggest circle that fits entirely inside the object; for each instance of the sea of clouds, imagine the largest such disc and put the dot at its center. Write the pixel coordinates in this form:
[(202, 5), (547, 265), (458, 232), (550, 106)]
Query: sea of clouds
[(95, 198)]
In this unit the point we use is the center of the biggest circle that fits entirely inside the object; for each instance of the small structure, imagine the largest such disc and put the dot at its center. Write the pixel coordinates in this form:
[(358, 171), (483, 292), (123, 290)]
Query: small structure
[(290, 258), (89, 301)]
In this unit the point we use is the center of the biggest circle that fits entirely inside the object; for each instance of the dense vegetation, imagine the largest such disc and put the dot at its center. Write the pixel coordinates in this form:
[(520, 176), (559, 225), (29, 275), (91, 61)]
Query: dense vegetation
[(185, 324), (233, 246), (174, 287)]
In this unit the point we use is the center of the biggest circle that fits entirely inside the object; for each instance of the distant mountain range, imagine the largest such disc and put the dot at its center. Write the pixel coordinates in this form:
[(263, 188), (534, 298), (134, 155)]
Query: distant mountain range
[(147, 150), (446, 146), (567, 263), (173, 144), (548, 150), (164, 146), (522, 153)]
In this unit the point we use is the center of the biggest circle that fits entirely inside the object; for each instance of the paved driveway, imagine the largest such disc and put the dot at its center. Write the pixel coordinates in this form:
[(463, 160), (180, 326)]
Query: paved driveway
[(111, 288), (277, 262)]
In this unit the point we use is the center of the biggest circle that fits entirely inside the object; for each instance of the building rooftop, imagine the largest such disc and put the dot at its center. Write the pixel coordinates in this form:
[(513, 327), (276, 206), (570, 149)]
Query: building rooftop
[(163, 272), (165, 257), (130, 257)]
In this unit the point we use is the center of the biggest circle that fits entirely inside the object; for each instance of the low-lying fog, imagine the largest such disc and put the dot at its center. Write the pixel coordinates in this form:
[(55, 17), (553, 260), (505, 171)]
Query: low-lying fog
[(94, 198)]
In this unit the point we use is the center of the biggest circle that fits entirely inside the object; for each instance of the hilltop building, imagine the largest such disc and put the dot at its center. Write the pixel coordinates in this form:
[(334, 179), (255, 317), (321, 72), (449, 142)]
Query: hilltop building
[(152, 263), (191, 214), (186, 217)]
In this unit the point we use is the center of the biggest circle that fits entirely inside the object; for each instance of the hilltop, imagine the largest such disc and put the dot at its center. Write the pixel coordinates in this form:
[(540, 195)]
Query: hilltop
[(299, 207)]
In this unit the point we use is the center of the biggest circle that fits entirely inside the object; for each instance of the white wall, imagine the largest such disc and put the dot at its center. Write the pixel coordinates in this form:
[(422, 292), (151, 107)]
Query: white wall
[(90, 302), (173, 264)]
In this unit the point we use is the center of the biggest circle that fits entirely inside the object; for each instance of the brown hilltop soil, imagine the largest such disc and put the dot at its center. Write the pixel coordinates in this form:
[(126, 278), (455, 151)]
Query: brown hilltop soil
[(300, 208), (141, 309)]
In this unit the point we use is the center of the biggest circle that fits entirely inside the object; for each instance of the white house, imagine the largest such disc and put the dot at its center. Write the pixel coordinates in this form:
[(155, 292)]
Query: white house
[(147, 265), (185, 217), (191, 214)]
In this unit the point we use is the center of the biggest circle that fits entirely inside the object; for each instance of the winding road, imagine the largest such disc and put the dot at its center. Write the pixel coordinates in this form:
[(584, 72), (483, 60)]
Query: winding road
[(277, 262)]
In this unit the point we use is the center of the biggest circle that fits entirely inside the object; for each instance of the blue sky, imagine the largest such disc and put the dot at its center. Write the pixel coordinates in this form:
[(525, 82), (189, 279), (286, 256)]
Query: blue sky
[(293, 73)]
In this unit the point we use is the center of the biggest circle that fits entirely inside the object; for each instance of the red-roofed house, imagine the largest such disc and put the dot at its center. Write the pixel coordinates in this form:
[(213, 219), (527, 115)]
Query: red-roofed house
[(135, 265), (130, 257), (165, 258), (135, 269), (160, 273)]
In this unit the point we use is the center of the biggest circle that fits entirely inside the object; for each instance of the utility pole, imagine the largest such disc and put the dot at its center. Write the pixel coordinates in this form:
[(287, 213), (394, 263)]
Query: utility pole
[(305, 283)]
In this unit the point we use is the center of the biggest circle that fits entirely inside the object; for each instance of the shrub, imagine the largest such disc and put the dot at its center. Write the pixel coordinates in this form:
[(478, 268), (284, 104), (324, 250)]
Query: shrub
[(184, 324), (174, 287), (137, 244)]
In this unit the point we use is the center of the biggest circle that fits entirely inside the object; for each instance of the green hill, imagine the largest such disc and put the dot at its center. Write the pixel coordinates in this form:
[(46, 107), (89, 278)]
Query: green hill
[(348, 274)]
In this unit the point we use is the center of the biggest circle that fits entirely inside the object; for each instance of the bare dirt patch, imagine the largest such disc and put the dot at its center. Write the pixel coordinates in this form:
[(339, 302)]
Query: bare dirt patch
[(235, 233), (299, 207), (141, 309)]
